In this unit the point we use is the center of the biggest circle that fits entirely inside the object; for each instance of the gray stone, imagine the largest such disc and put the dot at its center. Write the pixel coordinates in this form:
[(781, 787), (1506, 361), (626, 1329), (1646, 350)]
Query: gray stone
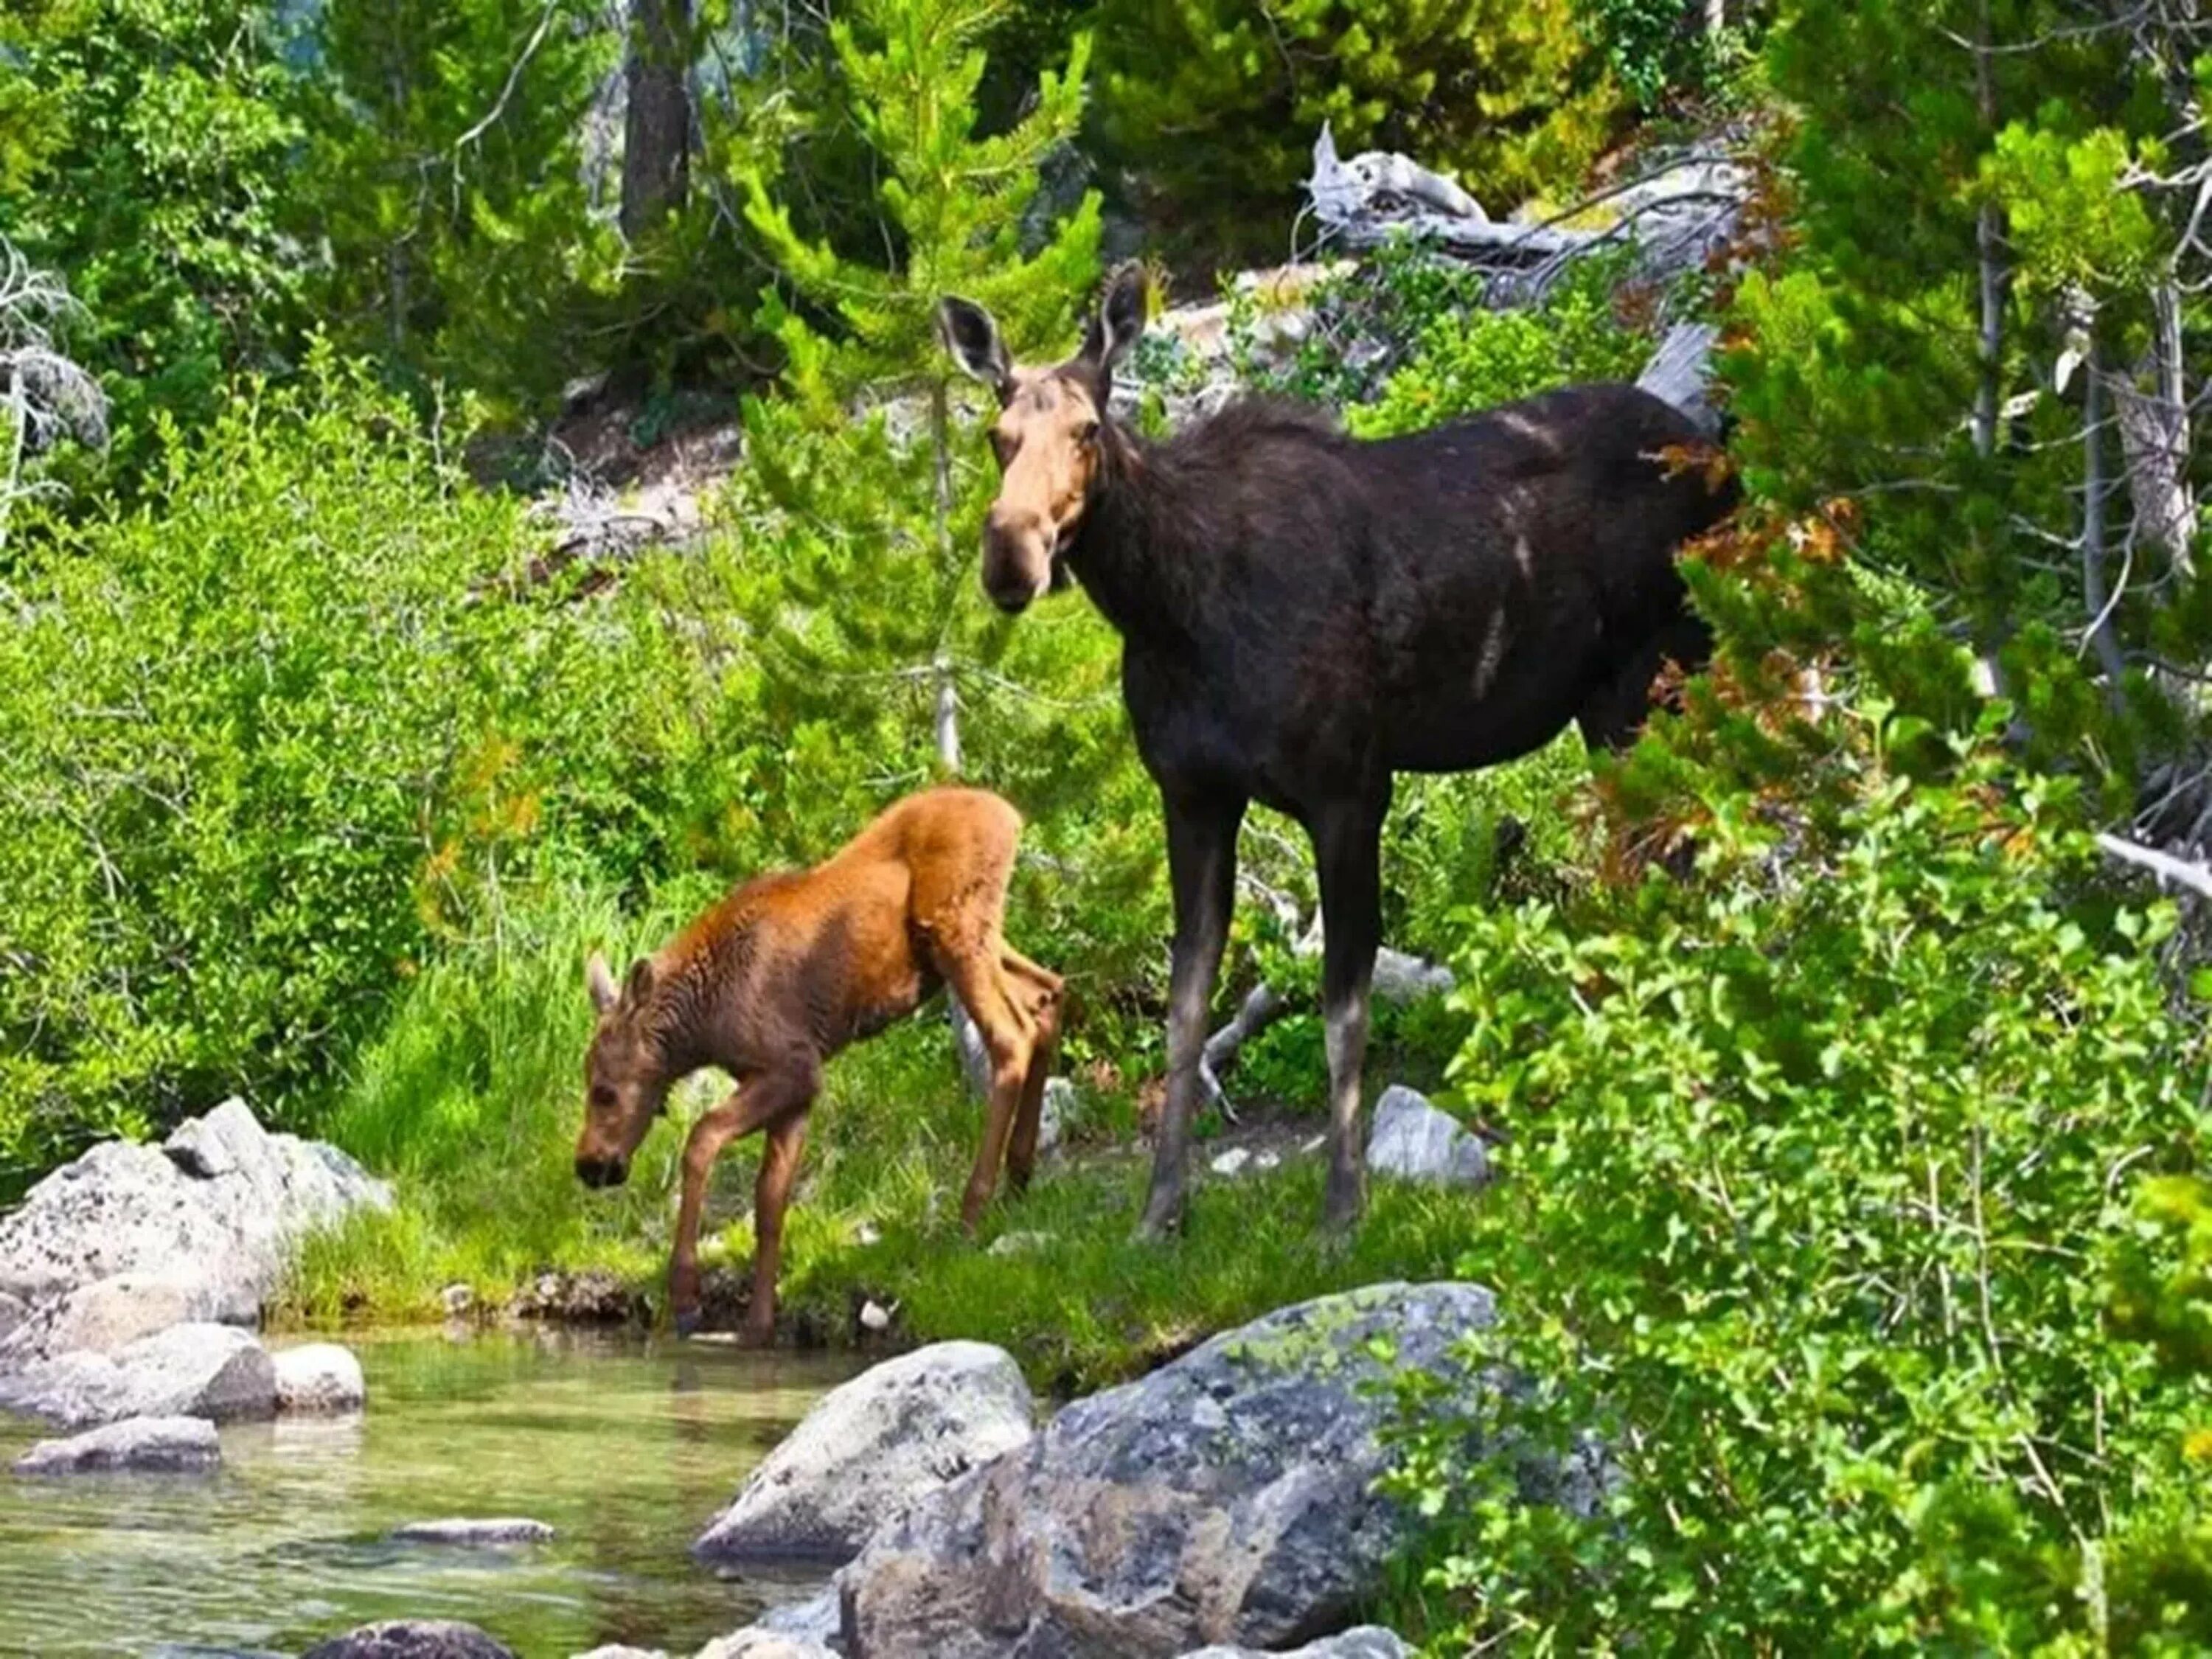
[(1020, 1242), (1228, 1497), (1414, 1141), (618, 1651), (116, 1311), (1233, 1161), (215, 1371), (816, 1619), (319, 1377), (1053, 1111), (218, 1208), (754, 1643), (13, 1310), (166, 1443), (1400, 978), (456, 1300), (412, 1638), (1361, 1642), (870, 1447), (469, 1531)]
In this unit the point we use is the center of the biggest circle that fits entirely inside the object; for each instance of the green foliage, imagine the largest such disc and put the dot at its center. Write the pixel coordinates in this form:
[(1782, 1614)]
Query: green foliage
[(1814, 1161), (1215, 105), (1468, 360), (276, 733), (1659, 50), (146, 147)]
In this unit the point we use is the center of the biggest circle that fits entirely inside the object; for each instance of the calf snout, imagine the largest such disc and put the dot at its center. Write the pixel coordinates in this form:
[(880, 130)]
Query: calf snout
[(1017, 559), (597, 1172)]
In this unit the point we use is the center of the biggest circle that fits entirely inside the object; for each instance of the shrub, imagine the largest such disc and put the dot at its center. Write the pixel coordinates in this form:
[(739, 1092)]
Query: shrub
[(1815, 1164), (279, 732)]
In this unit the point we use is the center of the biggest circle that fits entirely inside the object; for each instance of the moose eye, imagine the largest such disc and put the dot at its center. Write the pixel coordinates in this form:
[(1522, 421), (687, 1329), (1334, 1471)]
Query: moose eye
[(602, 1096), (1002, 446), (1088, 433)]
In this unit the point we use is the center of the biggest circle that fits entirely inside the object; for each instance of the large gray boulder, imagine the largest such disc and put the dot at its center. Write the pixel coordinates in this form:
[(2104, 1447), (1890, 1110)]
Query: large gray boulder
[(1414, 1141), (13, 1310), (1226, 1498), (1361, 1642), (869, 1448), (318, 1378), (215, 1371), (412, 1638), (167, 1445), (754, 1643), (218, 1207), (111, 1313)]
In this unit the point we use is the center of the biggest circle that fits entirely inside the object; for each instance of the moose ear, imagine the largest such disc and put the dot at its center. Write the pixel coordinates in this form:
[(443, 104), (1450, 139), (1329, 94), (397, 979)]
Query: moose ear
[(971, 335), (638, 986), (600, 983), (1119, 320)]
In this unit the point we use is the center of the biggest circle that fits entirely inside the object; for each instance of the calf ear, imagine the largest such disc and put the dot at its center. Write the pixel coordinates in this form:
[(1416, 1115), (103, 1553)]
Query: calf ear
[(971, 335), (600, 983), (638, 986), (1119, 320)]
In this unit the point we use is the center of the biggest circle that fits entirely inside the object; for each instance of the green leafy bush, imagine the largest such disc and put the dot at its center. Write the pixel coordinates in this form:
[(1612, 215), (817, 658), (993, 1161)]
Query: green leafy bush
[(1214, 106), (1815, 1164), (280, 731)]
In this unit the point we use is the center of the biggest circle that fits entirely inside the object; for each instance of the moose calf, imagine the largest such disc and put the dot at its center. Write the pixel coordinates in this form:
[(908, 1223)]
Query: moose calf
[(790, 968)]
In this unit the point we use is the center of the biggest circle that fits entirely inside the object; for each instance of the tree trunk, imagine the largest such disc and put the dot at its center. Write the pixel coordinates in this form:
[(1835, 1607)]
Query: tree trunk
[(2151, 408), (657, 123)]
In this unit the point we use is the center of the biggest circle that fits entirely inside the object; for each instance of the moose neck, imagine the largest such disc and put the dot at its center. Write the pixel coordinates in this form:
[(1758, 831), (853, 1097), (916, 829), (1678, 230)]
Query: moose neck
[(1135, 552)]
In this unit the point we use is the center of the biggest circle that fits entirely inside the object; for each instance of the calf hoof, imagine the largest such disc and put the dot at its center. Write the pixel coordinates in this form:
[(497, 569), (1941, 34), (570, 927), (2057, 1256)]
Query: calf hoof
[(687, 1321)]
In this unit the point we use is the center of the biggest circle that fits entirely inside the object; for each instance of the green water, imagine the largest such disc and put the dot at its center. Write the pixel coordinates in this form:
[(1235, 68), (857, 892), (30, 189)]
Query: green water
[(627, 1446)]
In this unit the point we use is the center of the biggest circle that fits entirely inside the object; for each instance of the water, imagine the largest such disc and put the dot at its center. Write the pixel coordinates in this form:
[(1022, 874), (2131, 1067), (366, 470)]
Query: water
[(626, 1445)]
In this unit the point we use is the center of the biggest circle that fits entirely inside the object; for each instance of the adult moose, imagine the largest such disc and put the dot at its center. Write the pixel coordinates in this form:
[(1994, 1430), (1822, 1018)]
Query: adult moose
[(1302, 616), (788, 969)]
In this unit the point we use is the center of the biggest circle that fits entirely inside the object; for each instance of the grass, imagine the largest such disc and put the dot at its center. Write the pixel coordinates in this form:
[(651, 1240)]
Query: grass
[(469, 1101)]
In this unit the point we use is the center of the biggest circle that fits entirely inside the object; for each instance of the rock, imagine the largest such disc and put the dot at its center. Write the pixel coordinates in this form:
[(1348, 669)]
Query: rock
[(1400, 978), (456, 1300), (1018, 1243), (219, 1207), (1054, 1112), (754, 1643), (617, 1650), (114, 1312), (412, 1638), (1226, 1498), (467, 1530), (319, 1377), (13, 1310), (593, 1297), (1232, 1162), (816, 1619), (166, 1443), (1269, 1159), (1414, 1140), (868, 1233), (869, 1448), (874, 1316), (1361, 1642), (215, 1371)]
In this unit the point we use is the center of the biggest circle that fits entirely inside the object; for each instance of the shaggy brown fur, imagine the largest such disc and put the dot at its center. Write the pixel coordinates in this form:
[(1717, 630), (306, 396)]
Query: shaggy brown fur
[(790, 968), (1302, 616)]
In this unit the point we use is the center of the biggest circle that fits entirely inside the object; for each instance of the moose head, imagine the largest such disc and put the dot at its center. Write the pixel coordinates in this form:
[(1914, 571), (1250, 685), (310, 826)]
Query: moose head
[(625, 1075), (1052, 430)]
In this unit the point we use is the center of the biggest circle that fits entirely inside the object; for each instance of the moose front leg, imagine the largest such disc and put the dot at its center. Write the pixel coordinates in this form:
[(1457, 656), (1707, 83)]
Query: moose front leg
[(760, 1099), (1202, 866), (779, 1169), (1348, 857)]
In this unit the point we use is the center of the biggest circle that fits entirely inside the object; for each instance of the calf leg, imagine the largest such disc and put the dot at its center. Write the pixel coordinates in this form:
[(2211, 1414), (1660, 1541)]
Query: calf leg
[(1021, 1151), (1347, 855), (1008, 1032), (760, 1099), (1202, 867), (779, 1167)]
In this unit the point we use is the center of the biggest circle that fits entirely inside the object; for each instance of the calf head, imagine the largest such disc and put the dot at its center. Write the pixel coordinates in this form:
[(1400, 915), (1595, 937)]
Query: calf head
[(625, 1075), (1049, 436)]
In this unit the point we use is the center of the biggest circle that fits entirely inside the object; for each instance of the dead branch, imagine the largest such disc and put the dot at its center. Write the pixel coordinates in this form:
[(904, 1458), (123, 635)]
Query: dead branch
[(2197, 878)]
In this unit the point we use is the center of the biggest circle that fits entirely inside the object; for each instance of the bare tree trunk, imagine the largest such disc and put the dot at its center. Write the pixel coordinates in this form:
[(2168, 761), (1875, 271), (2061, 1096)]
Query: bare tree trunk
[(657, 123), (2096, 594), (2154, 438), (1716, 17), (967, 1042), (1995, 284)]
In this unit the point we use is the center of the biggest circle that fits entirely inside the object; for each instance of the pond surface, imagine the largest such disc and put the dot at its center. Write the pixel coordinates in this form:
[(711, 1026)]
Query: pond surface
[(626, 1445)]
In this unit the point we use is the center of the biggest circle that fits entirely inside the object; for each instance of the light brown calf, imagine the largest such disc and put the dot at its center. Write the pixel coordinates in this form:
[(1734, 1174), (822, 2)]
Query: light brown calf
[(788, 969)]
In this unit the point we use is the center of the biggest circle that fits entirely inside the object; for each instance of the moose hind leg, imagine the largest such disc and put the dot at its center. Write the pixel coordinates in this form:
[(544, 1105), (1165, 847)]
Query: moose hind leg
[(1021, 1151), (1009, 1037)]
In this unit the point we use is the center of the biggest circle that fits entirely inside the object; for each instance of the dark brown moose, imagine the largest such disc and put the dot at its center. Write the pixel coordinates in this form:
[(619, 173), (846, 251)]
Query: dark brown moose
[(1304, 615), (788, 969)]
